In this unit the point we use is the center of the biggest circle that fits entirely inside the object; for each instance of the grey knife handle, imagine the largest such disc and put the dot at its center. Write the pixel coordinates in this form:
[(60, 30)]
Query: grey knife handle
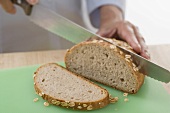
[(25, 5)]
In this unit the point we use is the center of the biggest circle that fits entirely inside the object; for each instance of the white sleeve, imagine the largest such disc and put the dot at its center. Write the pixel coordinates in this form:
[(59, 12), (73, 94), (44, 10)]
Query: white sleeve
[(93, 9)]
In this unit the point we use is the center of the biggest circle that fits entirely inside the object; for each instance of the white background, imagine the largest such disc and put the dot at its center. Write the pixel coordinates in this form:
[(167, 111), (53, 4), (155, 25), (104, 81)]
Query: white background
[(153, 19)]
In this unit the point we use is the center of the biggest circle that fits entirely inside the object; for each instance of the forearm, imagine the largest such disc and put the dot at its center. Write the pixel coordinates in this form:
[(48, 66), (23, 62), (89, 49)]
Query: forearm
[(110, 13)]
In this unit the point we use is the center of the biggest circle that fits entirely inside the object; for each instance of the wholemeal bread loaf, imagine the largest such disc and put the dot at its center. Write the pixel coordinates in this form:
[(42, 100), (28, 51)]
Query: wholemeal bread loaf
[(104, 62), (63, 88)]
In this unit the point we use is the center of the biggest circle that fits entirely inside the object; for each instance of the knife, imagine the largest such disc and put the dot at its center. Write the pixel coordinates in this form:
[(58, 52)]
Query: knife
[(67, 29)]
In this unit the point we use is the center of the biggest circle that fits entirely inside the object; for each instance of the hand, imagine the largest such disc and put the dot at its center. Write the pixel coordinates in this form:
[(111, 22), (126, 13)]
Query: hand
[(9, 7), (113, 25)]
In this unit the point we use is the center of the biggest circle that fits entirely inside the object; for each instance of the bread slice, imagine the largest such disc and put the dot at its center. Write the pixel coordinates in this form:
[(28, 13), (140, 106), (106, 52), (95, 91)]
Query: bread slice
[(104, 62), (63, 88)]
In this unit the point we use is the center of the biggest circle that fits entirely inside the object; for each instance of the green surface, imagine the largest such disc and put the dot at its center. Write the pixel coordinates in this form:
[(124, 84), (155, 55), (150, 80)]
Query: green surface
[(17, 94)]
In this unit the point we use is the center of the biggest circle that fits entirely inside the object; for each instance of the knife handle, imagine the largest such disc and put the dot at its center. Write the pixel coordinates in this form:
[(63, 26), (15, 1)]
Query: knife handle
[(25, 5)]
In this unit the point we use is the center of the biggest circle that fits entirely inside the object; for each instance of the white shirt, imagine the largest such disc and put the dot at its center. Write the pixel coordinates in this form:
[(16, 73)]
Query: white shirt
[(17, 33)]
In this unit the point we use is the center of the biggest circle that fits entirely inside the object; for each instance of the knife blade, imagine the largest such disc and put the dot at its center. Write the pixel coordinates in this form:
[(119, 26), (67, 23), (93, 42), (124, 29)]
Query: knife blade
[(67, 29)]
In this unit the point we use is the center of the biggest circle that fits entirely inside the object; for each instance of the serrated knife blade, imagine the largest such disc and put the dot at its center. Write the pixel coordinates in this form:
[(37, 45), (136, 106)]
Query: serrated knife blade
[(67, 29)]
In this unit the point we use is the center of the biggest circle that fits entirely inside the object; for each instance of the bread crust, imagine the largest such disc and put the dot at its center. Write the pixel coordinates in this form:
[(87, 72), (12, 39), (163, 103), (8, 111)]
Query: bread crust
[(139, 76), (71, 104)]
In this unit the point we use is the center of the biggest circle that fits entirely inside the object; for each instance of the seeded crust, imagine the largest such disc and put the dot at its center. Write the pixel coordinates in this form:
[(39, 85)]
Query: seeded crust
[(105, 63), (52, 74)]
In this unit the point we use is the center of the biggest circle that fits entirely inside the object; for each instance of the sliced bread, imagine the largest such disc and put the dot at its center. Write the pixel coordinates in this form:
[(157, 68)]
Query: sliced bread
[(63, 88), (104, 62)]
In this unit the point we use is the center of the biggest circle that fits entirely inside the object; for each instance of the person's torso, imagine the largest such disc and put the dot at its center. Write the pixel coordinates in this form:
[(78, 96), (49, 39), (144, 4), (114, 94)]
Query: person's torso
[(17, 33)]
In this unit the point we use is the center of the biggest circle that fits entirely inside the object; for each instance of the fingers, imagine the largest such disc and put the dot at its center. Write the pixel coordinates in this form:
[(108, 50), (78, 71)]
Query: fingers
[(32, 2), (144, 48), (126, 32), (8, 6), (144, 51)]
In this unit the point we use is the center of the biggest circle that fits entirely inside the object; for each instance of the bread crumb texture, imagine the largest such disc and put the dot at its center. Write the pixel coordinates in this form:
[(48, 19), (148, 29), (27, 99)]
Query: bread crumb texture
[(105, 63), (62, 88)]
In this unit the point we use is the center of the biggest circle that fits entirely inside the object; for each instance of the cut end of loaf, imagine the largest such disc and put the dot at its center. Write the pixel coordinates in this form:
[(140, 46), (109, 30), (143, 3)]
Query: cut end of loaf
[(63, 88), (105, 63)]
